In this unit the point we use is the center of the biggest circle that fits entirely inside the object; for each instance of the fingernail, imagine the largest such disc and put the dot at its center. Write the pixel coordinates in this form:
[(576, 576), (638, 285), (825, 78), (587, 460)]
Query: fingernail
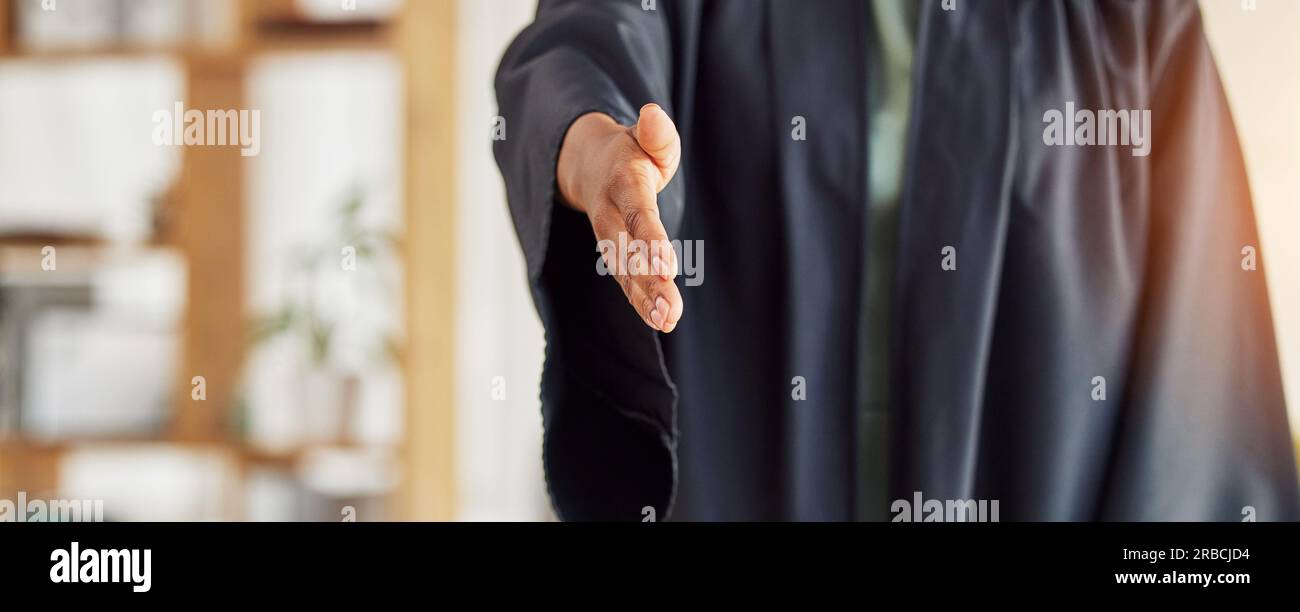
[(657, 319), (670, 256), (661, 309), (650, 311), (649, 106)]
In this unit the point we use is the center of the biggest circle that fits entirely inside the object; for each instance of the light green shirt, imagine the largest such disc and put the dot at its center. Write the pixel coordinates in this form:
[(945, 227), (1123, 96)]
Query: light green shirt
[(890, 49)]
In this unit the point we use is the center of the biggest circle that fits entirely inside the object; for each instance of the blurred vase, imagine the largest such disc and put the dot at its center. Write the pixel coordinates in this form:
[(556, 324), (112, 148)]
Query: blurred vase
[(329, 399)]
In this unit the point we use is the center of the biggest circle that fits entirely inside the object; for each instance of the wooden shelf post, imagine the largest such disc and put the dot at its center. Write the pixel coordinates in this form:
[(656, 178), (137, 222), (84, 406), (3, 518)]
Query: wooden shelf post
[(210, 232), (427, 43)]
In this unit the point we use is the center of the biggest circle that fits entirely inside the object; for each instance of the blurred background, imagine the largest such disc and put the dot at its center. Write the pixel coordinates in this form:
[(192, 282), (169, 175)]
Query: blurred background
[(339, 327)]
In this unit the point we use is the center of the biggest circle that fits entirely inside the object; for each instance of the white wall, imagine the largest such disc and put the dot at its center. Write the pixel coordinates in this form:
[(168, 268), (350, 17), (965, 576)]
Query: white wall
[(1259, 59), (498, 332)]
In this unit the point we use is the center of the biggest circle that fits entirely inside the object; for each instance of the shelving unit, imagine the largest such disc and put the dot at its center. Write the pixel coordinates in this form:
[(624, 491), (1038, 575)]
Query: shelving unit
[(207, 226)]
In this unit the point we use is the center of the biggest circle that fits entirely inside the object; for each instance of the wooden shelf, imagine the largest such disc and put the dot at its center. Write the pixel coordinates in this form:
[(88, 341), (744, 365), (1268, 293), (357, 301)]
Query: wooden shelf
[(20, 448), (265, 26), (40, 239), (6, 26), (279, 38), (201, 223)]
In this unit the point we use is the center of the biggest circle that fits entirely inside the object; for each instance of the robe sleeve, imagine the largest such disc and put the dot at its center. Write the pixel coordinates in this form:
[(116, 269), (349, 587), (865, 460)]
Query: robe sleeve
[(1207, 435), (607, 402)]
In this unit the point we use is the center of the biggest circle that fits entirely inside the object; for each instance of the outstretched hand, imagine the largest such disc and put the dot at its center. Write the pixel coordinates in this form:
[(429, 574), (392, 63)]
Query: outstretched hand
[(614, 173)]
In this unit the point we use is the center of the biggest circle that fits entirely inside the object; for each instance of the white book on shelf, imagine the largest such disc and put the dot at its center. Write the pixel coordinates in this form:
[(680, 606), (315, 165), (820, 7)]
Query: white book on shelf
[(77, 154), (155, 23), (153, 482), (67, 24), (88, 378), (345, 10)]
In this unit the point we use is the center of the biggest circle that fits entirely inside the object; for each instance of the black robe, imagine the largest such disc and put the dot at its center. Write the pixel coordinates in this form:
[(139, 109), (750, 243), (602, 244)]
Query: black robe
[(1072, 263)]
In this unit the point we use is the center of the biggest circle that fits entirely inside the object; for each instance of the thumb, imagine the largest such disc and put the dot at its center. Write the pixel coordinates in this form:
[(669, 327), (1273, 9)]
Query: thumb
[(657, 135)]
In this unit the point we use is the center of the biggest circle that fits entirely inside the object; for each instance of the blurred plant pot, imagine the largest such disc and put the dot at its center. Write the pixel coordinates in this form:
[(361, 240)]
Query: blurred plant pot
[(329, 400)]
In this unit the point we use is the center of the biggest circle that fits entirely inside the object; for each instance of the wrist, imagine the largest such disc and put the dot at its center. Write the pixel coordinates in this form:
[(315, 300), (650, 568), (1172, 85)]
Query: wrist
[(574, 165)]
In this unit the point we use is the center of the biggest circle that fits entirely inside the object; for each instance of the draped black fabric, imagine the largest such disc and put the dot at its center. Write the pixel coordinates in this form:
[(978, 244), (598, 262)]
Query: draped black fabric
[(1074, 265)]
